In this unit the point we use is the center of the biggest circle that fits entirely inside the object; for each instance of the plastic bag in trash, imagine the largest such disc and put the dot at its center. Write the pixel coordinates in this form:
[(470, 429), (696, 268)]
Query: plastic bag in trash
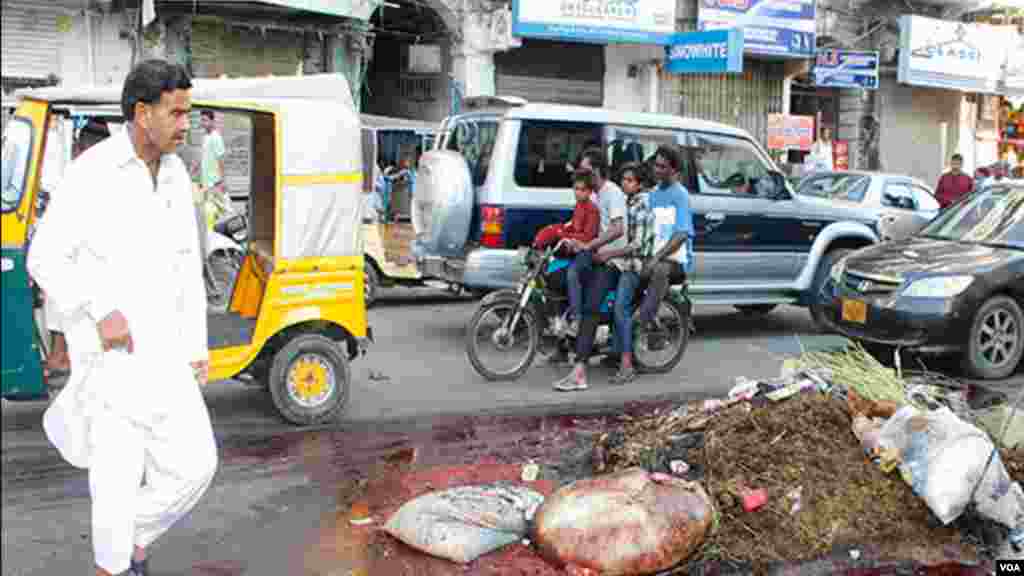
[(630, 522), (942, 457), (463, 523)]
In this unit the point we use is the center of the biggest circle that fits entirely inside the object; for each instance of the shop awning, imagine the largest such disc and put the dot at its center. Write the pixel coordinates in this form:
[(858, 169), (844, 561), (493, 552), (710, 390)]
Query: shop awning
[(358, 9)]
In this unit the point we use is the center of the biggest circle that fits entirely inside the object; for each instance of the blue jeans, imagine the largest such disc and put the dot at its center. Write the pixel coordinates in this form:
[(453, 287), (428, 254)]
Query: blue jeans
[(627, 286), (579, 272)]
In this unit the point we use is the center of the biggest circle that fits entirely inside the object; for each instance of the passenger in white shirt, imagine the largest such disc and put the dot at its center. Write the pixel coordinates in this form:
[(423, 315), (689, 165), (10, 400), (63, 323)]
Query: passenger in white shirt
[(120, 261)]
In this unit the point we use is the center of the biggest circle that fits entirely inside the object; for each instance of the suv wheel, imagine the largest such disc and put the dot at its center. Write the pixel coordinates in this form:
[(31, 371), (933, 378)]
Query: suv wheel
[(819, 297)]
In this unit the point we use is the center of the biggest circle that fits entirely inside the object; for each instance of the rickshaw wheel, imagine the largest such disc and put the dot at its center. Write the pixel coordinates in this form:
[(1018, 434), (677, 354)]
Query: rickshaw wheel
[(309, 380)]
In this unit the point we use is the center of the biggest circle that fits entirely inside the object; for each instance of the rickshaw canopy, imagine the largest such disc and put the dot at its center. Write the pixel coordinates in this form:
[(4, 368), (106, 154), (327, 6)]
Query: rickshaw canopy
[(318, 153)]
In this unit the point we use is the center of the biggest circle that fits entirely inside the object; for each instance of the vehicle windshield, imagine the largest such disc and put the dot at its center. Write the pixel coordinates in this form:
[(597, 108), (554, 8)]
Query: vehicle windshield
[(473, 137), (836, 186), (17, 147), (993, 216)]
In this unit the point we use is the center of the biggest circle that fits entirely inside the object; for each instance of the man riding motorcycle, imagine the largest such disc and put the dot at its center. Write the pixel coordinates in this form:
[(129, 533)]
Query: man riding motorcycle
[(671, 257)]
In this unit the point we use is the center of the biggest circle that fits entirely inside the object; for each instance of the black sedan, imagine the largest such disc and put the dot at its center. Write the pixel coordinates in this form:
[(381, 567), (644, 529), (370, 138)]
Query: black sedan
[(956, 286)]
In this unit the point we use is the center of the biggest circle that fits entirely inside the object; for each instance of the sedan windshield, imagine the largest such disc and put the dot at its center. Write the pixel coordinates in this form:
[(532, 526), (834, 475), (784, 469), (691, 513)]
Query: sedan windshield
[(993, 216), (836, 186)]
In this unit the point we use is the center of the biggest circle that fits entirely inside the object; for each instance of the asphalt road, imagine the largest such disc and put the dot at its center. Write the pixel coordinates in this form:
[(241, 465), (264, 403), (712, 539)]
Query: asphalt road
[(277, 484)]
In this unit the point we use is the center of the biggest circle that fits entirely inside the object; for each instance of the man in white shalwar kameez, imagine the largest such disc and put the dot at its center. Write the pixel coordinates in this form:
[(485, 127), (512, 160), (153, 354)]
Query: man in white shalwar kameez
[(117, 251)]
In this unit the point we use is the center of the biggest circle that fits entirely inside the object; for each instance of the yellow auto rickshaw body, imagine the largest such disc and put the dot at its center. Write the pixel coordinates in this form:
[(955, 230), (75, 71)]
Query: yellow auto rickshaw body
[(296, 315)]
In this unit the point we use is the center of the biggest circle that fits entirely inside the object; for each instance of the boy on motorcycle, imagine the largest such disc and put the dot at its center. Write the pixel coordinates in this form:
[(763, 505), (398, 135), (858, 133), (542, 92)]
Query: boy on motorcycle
[(611, 205), (586, 218), (629, 262), (585, 273)]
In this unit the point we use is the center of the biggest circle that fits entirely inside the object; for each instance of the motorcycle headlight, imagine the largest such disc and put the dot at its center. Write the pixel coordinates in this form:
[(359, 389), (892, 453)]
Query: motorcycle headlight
[(939, 287)]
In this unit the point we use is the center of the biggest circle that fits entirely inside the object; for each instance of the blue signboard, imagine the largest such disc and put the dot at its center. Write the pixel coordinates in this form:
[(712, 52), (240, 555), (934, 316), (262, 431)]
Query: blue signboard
[(784, 28), (597, 21), (846, 69), (714, 51)]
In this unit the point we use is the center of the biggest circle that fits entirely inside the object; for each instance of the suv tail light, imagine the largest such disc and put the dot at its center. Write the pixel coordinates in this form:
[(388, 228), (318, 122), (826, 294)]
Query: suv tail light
[(492, 226)]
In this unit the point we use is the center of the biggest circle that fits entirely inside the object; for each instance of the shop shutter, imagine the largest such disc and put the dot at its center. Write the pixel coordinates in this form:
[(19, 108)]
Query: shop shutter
[(29, 39), (242, 52), (743, 100), (549, 71)]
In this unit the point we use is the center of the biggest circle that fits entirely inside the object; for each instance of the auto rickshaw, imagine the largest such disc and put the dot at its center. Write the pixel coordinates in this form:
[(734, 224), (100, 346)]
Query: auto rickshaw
[(296, 316), (387, 221)]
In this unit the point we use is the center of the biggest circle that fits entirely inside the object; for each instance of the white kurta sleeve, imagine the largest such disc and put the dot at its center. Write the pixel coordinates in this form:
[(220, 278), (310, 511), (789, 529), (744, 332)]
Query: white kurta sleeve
[(194, 318), (54, 259)]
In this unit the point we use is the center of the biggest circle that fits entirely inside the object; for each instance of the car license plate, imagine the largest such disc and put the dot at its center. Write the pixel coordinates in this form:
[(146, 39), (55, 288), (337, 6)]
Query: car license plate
[(855, 311)]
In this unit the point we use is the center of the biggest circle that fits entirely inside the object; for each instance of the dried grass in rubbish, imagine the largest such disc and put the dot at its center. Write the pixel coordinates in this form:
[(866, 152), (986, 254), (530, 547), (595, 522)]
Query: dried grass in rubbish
[(856, 369)]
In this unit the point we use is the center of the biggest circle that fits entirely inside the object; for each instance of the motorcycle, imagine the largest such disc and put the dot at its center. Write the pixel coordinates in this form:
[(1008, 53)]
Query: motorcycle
[(224, 256), (533, 315)]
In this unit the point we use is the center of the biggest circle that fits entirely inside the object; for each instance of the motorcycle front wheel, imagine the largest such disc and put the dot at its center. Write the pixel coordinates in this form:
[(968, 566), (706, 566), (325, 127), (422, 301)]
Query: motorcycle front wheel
[(496, 350)]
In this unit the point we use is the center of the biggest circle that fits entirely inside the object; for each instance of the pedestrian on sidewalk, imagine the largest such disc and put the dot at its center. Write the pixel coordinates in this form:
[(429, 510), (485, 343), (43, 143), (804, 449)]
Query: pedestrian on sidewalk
[(135, 316), (821, 152), (954, 184)]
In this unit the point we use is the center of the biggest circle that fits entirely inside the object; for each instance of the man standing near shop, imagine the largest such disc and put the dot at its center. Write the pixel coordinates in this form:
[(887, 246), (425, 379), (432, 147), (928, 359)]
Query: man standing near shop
[(135, 315), (211, 175), (954, 184)]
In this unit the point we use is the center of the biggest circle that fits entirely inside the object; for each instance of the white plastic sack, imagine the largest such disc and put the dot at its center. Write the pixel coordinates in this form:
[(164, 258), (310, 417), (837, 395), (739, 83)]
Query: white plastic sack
[(942, 458), (463, 523)]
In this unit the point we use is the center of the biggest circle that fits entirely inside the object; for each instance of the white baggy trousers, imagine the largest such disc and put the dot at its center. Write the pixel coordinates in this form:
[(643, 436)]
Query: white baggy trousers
[(146, 470)]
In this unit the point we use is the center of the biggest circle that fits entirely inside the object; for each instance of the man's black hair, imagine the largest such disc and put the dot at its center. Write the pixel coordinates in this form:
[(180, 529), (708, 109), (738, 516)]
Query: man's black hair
[(958, 156), (598, 161), (671, 155), (584, 177), (208, 113), (148, 81)]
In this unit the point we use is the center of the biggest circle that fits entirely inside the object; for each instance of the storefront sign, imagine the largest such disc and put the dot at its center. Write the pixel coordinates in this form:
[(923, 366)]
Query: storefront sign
[(599, 21), (790, 132), (776, 27), (952, 55), (846, 69), (714, 51)]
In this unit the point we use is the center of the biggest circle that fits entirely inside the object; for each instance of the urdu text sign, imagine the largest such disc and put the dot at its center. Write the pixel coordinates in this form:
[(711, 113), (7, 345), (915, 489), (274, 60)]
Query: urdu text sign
[(598, 21), (711, 52)]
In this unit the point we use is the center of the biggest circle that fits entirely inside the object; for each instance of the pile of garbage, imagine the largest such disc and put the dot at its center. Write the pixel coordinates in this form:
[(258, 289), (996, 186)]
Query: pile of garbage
[(836, 452)]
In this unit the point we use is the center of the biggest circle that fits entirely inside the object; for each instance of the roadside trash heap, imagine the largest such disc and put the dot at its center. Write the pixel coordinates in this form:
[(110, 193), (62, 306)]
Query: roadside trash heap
[(838, 451)]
